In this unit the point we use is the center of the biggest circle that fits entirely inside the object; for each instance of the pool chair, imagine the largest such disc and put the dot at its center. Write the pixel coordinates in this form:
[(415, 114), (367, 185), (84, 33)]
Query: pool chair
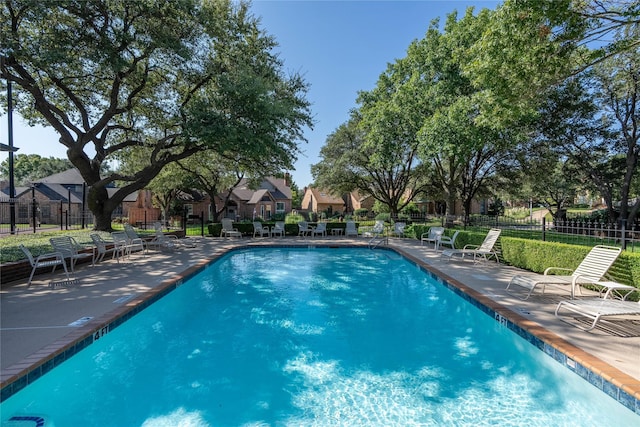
[(259, 229), (278, 229), (376, 231), (597, 308), (102, 247), (398, 229), (485, 251), (53, 260), (69, 248), (590, 271), (136, 243), (320, 229), (228, 230), (448, 241), (432, 236), (351, 229), (304, 229)]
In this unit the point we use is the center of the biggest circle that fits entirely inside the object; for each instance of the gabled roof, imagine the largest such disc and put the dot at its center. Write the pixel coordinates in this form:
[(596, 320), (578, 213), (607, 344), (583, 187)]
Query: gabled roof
[(324, 197), (70, 176), (276, 187)]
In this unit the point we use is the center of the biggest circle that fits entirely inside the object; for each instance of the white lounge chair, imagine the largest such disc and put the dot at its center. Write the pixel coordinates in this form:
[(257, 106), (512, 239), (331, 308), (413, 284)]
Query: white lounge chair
[(53, 259), (398, 229), (259, 229), (448, 241), (278, 229), (320, 229), (590, 271), (351, 229), (485, 251), (432, 236), (228, 230), (69, 248), (304, 229), (375, 231), (136, 243), (122, 246), (597, 308), (101, 247)]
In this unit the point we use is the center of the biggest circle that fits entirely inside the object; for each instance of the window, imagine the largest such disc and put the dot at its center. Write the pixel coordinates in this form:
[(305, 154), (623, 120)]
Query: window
[(279, 207)]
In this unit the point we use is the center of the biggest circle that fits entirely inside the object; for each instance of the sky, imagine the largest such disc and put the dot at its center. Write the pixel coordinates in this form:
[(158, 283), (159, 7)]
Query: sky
[(340, 47)]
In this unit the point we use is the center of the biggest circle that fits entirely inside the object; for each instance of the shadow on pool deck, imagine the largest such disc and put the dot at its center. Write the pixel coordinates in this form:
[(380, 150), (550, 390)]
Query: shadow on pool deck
[(40, 322)]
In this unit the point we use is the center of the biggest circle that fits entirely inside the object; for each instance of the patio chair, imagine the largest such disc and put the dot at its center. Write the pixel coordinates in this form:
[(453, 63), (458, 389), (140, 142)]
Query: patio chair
[(376, 231), (351, 229), (448, 241), (136, 243), (304, 229), (398, 229), (69, 248), (485, 251), (597, 308), (432, 236), (228, 230), (53, 259), (590, 271), (320, 229), (101, 247), (260, 229), (278, 229), (121, 245)]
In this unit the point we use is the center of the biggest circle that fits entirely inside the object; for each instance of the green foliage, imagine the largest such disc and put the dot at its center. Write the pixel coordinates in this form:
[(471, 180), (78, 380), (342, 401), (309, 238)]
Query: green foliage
[(383, 216), (293, 218), (28, 168), (362, 212)]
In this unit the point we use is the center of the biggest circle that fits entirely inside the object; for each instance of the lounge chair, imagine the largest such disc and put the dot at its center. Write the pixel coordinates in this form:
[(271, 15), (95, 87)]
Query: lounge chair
[(432, 236), (260, 229), (448, 241), (228, 230), (53, 259), (136, 243), (101, 247), (485, 251), (163, 241), (375, 231), (278, 229), (121, 245), (320, 229), (398, 229), (351, 229), (590, 271), (304, 229), (69, 248), (597, 308)]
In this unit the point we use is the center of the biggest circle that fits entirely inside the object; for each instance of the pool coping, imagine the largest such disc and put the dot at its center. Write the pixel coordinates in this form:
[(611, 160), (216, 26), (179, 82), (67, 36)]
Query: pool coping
[(622, 387)]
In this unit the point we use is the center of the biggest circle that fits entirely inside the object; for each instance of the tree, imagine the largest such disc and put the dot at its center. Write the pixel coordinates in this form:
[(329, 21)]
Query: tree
[(463, 152), (159, 81), (31, 167), (532, 45)]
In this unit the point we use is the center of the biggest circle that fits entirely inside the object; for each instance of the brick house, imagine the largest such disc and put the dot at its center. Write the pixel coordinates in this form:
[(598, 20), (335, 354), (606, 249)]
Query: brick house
[(272, 199)]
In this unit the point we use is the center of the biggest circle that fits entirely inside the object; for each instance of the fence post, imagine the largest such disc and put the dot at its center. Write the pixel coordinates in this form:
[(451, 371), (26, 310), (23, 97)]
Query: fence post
[(544, 228), (33, 208), (145, 219), (61, 219), (623, 233), (202, 223)]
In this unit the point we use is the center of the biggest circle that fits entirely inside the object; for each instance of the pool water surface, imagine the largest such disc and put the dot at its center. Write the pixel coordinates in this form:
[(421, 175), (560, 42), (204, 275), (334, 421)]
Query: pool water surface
[(284, 336)]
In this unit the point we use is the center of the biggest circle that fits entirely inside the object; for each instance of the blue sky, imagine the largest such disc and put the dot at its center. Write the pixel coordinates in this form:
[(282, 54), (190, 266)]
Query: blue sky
[(340, 47)]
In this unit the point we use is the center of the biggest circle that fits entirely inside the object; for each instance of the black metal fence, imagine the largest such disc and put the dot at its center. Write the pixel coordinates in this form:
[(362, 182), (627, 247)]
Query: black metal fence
[(31, 217)]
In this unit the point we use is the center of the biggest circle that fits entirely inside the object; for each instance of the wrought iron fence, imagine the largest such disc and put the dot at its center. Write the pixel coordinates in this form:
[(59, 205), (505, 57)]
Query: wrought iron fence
[(31, 217)]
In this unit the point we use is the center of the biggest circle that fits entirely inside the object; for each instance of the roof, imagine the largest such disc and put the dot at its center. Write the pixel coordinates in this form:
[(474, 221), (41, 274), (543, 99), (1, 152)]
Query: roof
[(324, 197), (70, 176), (276, 187)]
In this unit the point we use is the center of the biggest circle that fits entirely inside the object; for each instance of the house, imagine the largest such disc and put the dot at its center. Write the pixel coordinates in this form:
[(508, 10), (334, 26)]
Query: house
[(60, 199), (271, 199), (318, 201)]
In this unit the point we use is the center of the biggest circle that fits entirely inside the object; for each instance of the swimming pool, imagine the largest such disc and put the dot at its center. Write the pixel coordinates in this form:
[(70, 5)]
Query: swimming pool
[(314, 337)]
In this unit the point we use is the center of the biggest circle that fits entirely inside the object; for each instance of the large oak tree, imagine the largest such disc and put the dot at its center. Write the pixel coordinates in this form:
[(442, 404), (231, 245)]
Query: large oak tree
[(153, 80)]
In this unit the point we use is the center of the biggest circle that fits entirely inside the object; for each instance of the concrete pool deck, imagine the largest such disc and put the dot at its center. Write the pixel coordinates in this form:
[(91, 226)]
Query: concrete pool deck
[(40, 327)]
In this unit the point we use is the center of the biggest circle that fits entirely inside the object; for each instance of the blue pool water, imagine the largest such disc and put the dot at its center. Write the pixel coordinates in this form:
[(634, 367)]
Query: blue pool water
[(314, 337)]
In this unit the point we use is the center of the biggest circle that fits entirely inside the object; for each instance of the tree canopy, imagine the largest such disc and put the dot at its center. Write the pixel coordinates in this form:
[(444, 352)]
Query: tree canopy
[(153, 81)]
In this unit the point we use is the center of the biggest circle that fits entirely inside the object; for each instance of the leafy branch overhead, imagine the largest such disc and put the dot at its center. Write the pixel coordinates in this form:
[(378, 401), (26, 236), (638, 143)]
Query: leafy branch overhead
[(151, 83)]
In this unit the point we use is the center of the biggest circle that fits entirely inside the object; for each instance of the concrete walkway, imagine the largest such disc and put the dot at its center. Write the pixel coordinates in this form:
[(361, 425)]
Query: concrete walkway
[(39, 323)]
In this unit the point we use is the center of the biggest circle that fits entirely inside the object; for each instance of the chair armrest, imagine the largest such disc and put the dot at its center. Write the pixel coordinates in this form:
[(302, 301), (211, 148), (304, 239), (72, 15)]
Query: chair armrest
[(424, 235), (546, 272), (49, 256), (470, 247)]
